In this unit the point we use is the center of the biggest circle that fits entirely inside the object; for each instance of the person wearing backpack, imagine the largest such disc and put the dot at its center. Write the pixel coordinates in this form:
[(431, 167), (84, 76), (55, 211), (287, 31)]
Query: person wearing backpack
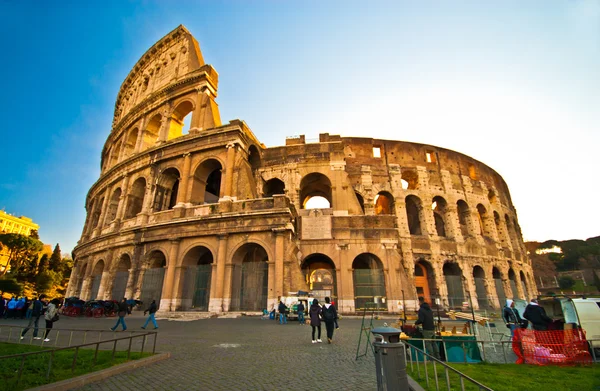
[(50, 317), (329, 316)]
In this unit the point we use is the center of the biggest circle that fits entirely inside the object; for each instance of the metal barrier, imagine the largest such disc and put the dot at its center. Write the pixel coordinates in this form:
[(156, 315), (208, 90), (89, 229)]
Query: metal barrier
[(436, 362), (12, 334)]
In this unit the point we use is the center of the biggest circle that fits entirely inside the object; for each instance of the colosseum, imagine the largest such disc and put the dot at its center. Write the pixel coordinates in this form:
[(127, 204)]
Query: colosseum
[(203, 217)]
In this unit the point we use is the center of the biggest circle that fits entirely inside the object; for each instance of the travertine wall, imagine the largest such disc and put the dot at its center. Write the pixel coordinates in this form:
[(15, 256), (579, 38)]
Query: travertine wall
[(210, 219)]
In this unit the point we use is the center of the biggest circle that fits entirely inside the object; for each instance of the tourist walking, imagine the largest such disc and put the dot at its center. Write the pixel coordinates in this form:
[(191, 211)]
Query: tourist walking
[(537, 316), (50, 317), (122, 313), (315, 320), (329, 316), (151, 311), (300, 308), (282, 311), (37, 307), (28, 308), (426, 320), (511, 317)]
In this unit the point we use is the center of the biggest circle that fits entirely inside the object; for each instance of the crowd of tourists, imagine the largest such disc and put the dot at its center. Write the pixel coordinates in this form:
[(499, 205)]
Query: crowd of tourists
[(317, 313)]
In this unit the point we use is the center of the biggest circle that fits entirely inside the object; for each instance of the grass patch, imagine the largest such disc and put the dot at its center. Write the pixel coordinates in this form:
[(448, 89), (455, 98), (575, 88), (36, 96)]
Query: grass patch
[(513, 377), (35, 367)]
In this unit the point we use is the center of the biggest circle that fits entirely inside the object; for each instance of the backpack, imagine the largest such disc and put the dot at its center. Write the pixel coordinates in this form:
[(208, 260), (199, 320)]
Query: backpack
[(328, 313)]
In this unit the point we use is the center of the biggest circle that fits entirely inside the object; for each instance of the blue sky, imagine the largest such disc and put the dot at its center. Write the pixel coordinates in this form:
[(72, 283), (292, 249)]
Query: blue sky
[(513, 84)]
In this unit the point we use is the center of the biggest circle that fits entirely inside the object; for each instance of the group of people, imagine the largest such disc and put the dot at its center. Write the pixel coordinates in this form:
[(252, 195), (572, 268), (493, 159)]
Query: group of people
[(533, 313), (16, 308), (125, 308), (42, 307), (317, 313)]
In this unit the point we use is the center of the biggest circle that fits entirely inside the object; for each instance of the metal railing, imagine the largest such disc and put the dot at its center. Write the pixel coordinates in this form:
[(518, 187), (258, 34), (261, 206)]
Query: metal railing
[(136, 342), (436, 362)]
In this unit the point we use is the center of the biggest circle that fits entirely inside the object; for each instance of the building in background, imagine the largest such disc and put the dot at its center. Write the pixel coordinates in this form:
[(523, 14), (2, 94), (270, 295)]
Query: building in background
[(209, 219), (12, 224)]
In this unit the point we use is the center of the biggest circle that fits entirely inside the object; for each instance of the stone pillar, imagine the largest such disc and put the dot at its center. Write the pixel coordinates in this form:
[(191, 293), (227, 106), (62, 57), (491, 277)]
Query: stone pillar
[(227, 287), (140, 138), (137, 290), (452, 224), (104, 282), (229, 168), (103, 211), (147, 204), (279, 258), (177, 294), (272, 296), (469, 286), (166, 301), (107, 200), (519, 284), (130, 284), (339, 189), (165, 126), (216, 297), (182, 196), (123, 198)]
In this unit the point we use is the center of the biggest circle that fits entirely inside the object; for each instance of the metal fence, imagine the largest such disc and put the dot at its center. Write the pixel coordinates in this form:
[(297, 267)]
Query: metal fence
[(75, 340)]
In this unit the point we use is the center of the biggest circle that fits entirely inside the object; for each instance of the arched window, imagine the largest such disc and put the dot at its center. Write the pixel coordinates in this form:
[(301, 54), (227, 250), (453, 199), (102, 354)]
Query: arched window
[(272, 187), (180, 120), (410, 180), (413, 214), (166, 189), (464, 217), (439, 215), (150, 136), (384, 203), (254, 158), (484, 221), (131, 142), (361, 201), (454, 284), (206, 186), (315, 192), (114, 205), (135, 199)]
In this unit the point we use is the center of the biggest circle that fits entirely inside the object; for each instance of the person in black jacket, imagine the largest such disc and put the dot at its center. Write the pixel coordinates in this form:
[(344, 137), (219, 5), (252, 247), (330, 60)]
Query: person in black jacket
[(315, 320), (282, 312), (122, 314), (426, 320), (511, 317), (37, 309), (151, 310), (329, 316), (537, 316)]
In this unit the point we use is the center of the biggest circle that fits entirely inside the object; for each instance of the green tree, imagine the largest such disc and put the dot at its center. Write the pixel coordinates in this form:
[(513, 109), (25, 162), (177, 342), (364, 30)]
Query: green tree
[(43, 264), (20, 248), (55, 259), (566, 282), (10, 285), (44, 281)]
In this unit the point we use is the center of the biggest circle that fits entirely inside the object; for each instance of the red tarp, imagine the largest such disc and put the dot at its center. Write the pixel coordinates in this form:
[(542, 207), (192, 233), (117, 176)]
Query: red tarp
[(553, 347)]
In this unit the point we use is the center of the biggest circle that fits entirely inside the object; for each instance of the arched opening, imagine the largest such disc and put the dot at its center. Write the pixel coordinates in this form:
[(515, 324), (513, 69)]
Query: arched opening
[(206, 183), (413, 214), (254, 158), (497, 276), (114, 154), (272, 187), (135, 199), (154, 275), (180, 120), (97, 212), (198, 263), (439, 215), (361, 201), (96, 280), (384, 203), (424, 280), (410, 180), (492, 196), (369, 283), (166, 189), (497, 223), (454, 284), (249, 278), (483, 221), (131, 142), (512, 280), (113, 206), (479, 277), (150, 136), (316, 186), (121, 277), (524, 285), (463, 217), (319, 274)]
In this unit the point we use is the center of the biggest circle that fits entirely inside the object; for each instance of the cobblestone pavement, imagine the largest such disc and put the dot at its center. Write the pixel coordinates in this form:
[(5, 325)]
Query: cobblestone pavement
[(244, 353)]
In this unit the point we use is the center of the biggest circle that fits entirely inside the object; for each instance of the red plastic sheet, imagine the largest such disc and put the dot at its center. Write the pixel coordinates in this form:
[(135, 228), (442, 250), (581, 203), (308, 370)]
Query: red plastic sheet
[(553, 347)]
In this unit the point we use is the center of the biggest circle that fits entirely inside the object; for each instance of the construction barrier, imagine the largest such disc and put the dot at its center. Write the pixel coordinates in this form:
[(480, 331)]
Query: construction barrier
[(553, 347)]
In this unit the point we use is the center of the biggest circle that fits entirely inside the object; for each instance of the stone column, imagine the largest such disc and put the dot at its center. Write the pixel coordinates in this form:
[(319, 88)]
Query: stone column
[(272, 296), (227, 286), (165, 126), (229, 168), (123, 198), (130, 284), (177, 294), (452, 224), (339, 189), (279, 258), (519, 284), (469, 286), (140, 138), (216, 300), (166, 301), (182, 196), (104, 282), (148, 197), (103, 211), (137, 290)]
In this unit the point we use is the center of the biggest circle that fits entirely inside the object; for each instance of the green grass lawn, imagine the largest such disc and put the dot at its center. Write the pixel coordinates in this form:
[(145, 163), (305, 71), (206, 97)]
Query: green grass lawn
[(513, 377), (35, 367)]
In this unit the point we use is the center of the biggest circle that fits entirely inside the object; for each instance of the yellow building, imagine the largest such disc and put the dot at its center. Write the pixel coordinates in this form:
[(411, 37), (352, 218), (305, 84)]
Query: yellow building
[(12, 224)]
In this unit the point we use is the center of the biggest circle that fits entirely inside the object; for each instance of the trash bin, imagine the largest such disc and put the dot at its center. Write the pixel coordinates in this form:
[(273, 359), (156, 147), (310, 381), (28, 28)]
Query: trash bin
[(390, 359)]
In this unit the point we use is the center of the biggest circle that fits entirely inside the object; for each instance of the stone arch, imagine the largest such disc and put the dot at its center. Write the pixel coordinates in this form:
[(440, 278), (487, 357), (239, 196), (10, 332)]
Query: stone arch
[(464, 218), (135, 198), (369, 282), (479, 278), (113, 205), (151, 133), (512, 280), (249, 278), (155, 263), (206, 182), (97, 211), (273, 186), (114, 153), (81, 278), (166, 190), (410, 180), (254, 158), (439, 208), (121, 270), (131, 142), (96, 279), (384, 203), (315, 185), (320, 275), (497, 277), (196, 278), (454, 284), (524, 285), (361, 201), (484, 221), (425, 280), (178, 116), (413, 214)]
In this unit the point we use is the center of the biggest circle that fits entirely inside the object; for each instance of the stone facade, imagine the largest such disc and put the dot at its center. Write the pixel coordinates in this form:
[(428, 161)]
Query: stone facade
[(212, 220)]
